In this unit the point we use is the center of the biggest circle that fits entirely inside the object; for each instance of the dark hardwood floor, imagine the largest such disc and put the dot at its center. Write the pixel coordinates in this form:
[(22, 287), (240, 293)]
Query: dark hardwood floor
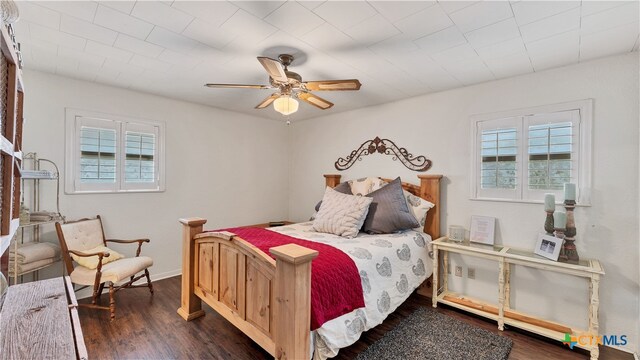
[(148, 327)]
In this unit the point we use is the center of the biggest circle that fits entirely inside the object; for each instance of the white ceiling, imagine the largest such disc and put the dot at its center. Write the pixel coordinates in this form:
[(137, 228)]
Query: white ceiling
[(397, 49)]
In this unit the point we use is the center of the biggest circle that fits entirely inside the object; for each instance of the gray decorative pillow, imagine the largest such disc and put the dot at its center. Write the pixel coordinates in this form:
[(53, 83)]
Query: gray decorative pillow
[(343, 188), (341, 214), (389, 212)]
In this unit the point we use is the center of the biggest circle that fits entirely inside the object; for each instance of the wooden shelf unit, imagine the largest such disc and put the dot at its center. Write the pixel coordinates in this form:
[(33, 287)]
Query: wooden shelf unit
[(501, 311), (11, 113)]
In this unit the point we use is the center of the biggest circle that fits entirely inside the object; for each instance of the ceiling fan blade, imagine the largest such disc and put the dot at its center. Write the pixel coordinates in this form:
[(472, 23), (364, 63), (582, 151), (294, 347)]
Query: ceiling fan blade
[(333, 85), (266, 102), (238, 86), (315, 100), (274, 68)]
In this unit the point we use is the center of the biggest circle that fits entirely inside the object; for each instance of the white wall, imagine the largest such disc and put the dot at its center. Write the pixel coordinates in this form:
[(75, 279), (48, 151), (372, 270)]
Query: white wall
[(438, 125), (227, 167)]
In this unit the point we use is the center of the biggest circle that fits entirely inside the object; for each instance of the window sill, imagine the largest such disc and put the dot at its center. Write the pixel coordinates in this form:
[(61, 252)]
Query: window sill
[(535, 202), (92, 192)]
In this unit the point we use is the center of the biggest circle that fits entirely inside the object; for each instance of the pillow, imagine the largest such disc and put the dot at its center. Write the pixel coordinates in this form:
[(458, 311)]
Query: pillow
[(419, 208), (341, 214), (389, 212), (365, 186), (343, 188), (91, 262)]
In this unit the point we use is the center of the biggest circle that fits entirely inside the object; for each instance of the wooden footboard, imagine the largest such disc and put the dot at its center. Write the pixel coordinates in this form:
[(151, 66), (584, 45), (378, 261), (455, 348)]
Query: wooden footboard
[(269, 300)]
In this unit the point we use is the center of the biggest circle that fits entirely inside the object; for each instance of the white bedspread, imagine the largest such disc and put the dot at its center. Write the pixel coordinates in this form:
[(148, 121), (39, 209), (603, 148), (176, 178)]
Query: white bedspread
[(391, 266)]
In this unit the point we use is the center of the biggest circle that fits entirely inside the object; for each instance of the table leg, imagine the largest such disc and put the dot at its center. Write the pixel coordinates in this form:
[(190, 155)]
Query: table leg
[(507, 286), (445, 271), (594, 302), (501, 293), (435, 276)]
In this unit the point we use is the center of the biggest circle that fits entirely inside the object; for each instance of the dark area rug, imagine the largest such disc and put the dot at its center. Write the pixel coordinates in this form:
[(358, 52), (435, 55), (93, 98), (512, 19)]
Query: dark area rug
[(427, 334)]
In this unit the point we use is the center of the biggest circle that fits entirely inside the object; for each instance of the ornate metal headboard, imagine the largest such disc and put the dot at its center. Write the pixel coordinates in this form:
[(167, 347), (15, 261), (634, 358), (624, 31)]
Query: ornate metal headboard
[(385, 147)]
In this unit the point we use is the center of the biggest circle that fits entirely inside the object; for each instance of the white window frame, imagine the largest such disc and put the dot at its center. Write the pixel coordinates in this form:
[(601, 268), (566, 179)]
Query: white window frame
[(521, 119), (76, 118)]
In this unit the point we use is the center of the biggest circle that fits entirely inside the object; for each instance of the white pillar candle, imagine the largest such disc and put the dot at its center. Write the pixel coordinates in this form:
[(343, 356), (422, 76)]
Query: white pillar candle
[(549, 202), (570, 191), (559, 220)]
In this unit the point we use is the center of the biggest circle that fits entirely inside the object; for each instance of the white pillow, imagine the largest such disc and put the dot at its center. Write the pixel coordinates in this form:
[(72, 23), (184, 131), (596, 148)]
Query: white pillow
[(419, 207), (341, 214), (365, 186)]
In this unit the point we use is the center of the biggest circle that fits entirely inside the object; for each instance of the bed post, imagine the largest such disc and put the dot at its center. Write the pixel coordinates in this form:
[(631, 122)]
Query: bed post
[(292, 310), (430, 190), (190, 304), (332, 180)]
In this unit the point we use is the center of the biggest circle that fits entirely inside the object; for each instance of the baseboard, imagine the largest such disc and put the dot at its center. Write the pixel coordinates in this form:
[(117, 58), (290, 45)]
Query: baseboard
[(88, 292), (626, 351)]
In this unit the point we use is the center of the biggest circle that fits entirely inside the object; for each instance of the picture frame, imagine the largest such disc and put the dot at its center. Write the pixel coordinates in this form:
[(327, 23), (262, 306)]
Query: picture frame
[(482, 229), (548, 247)]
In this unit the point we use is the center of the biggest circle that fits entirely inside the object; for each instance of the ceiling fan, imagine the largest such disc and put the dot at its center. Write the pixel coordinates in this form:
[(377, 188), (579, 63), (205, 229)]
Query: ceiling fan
[(289, 86)]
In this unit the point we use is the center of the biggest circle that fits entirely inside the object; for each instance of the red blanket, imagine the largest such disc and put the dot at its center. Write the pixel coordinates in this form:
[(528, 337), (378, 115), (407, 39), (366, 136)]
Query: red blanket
[(336, 288)]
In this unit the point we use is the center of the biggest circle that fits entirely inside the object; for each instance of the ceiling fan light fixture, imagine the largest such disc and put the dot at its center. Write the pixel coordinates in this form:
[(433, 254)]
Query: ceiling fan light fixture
[(285, 105)]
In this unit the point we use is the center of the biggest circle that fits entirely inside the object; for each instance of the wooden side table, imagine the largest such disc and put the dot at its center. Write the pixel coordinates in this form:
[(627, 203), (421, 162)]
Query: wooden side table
[(271, 224), (506, 257)]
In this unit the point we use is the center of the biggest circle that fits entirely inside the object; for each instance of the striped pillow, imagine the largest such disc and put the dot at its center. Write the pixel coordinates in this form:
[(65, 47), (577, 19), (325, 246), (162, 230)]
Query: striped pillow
[(389, 211)]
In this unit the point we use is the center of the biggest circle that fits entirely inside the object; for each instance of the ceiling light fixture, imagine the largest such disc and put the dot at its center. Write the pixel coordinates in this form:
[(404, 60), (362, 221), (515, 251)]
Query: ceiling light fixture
[(285, 105)]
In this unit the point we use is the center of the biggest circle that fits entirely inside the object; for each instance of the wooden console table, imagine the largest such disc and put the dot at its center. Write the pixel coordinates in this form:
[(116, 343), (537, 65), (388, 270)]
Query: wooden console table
[(39, 320), (502, 312)]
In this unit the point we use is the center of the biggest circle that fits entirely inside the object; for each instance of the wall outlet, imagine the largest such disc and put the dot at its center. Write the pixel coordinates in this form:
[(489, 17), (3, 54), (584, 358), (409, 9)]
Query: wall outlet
[(459, 271), (471, 273)]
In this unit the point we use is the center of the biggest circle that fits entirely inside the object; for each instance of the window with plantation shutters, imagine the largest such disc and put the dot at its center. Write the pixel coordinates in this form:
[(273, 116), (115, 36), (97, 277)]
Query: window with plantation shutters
[(112, 154), (531, 152), (97, 155), (549, 153), (139, 157), (498, 164)]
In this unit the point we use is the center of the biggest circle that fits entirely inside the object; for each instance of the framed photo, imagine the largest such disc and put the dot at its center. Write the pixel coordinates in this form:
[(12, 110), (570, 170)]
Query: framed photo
[(482, 229), (548, 246)]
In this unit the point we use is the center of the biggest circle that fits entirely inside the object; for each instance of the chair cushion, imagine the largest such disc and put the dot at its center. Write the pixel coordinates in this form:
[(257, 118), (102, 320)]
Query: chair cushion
[(83, 235), (91, 262), (113, 271)]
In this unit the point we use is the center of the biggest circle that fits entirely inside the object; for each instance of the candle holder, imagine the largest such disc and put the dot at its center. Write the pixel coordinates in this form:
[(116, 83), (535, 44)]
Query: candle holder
[(569, 247), (548, 223), (559, 233)]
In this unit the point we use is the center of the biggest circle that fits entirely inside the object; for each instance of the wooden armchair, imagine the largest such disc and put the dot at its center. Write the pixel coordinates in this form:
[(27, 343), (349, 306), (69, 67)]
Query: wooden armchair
[(80, 236)]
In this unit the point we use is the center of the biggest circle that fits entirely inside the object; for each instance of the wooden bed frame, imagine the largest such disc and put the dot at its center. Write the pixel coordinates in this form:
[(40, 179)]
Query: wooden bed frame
[(269, 300)]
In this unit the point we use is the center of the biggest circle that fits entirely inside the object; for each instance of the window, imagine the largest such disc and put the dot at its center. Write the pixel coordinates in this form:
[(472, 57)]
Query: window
[(108, 153), (520, 155)]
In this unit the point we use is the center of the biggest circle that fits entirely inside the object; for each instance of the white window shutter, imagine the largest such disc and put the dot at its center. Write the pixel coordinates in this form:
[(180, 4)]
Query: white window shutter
[(497, 158), (552, 156)]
